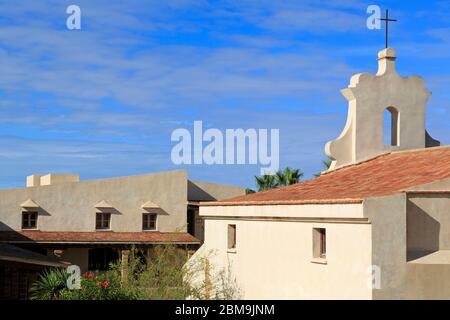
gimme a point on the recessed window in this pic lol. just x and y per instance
(391, 127)
(102, 221)
(319, 243)
(29, 220)
(149, 221)
(231, 236)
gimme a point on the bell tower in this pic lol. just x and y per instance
(368, 96)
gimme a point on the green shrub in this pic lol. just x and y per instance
(49, 285)
(106, 286)
(164, 275)
(167, 275)
(158, 277)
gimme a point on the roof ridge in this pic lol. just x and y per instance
(357, 163)
(384, 174)
(422, 149)
(321, 175)
(386, 154)
(324, 173)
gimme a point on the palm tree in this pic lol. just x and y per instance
(265, 182)
(287, 177)
(326, 164)
(280, 179)
(249, 191)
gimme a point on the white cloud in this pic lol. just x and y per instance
(100, 100)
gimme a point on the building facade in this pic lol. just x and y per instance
(91, 223)
(376, 225)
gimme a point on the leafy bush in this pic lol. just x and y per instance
(105, 286)
(159, 276)
(208, 283)
(163, 275)
(167, 275)
(49, 285)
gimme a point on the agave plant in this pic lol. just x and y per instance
(49, 285)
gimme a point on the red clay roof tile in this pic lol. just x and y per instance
(383, 175)
(153, 237)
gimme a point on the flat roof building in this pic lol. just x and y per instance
(89, 223)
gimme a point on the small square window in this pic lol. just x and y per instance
(319, 243)
(29, 220)
(149, 221)
(102, 221)
(231, 236)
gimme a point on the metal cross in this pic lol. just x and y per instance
(387, 25)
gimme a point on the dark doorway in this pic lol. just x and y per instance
(100, 258)
(191, 220)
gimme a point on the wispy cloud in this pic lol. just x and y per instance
(99, 100)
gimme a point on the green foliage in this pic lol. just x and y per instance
(287, 177)
(106, 286)
(167, 275)
(163, 275)
(49, 285)
(326, 165)
(208, 283)
(249, 191)
(160, 277)
(280, 179)
(265, 182)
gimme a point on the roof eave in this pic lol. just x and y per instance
(99, 242)
(281, 202)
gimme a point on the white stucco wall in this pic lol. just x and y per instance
(368, 95)
(273, 258)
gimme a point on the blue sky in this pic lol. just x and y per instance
(103, 101)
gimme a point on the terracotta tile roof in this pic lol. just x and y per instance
(152, 237)
(383, 175)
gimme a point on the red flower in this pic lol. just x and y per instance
(105, 284)
(90, 275)
(99, 284)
